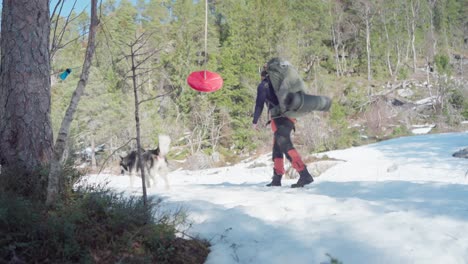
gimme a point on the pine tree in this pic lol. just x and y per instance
(25, 124)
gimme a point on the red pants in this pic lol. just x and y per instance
(283, 146)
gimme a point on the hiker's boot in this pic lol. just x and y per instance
(304, 179)
(276, 180)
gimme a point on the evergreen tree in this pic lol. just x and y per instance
(25, 124)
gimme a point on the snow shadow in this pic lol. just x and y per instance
(429, 199)
(237, 237)
(426, 150)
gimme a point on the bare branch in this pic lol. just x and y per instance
(145, 36)
(138, 74)
(58, 39)
(67, 43)
(108, 36)
(112, 154)
(155, 97)
(143, 83)
(145, 40)
(100, 10)
(147, 58)
(54, 39)
(55, 9)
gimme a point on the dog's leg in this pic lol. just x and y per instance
(153, 175)
(162, 169)
(132, 178)
(163, 172)
(148, 177)
(166, 180)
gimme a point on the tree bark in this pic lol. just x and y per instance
(54, 186)
(25, 124)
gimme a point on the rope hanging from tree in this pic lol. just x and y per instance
(205, 81)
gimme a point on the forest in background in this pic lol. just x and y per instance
(387, 65)
(374, 58)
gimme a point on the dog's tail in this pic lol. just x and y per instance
(164, 144)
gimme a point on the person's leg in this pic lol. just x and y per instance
(278, 162)
(283, 139)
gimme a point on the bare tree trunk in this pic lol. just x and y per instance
(54, 188)
(398, 63)
(408, 29)
(137, 122)
(138, 57)
(25, 124)
(461, 68)
(389, 64)
(93, 153)
(339, 71)
(369, 77)
(428, 71)
(433, 37)
(398, 48)
(344, 62)
(337, 56)
(369, 73)
(413, 30)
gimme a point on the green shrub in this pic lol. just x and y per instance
(399, 131)
(355, 98)
(456, 99)
(403, 73)
(442, 63)
(343, 136)
(94, 225)
(464, 111)
(18, 218)
(16, 181)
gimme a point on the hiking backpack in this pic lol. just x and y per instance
(290, 90)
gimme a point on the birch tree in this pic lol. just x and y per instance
(414, 7)
(365, 11)
(54, 182)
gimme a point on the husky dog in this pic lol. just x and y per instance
(154, 163)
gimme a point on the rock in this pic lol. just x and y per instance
(463, 153)
(405, 92)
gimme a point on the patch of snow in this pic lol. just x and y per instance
(399, 201)
(422, 129)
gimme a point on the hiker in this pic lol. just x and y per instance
(281, 127)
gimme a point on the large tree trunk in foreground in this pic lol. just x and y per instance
(25, 124)
(54, 183)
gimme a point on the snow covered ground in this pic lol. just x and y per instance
(399, 201)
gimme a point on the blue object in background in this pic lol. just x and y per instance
(65, 74)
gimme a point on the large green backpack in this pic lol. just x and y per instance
(290, 90)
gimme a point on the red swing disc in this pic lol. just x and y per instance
(211, 83)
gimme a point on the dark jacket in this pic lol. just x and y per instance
(265, 95)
